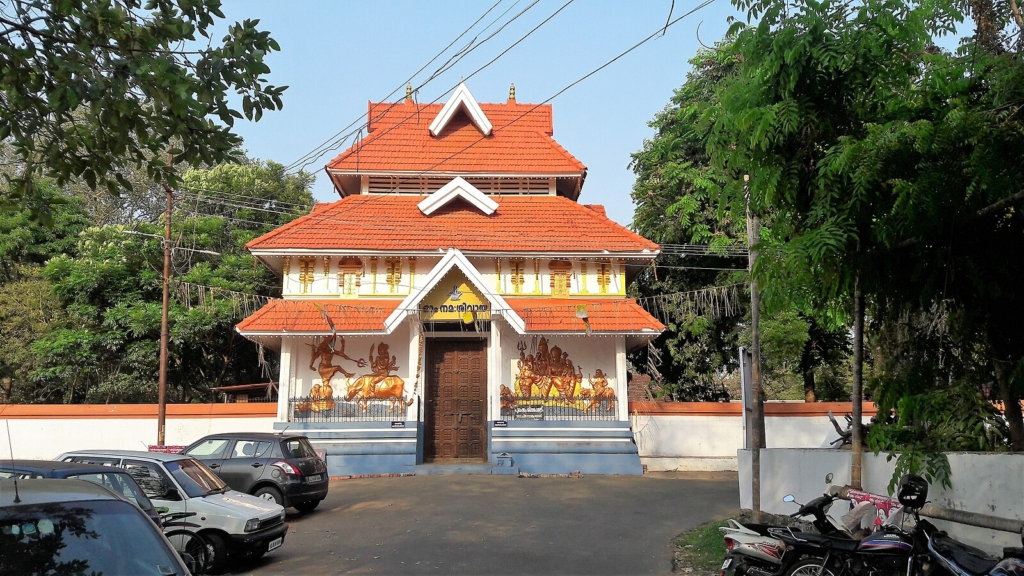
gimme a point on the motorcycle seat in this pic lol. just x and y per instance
(967, 557)
(838, 544)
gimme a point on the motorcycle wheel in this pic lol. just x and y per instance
(740, 565)
(809, 567)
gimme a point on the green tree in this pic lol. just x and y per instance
(108, 347)
(672, 193)
(92, 88)
(889, 168)
(676, 195)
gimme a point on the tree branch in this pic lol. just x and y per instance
(999, 205)
(987, 210)
(1016, 14)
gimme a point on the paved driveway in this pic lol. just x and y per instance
(500, 525)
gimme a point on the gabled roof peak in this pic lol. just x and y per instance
(457, 188)
(461, 99)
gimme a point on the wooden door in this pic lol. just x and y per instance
(456, 400)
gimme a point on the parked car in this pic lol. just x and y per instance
(113, 479)
(232, 523)
(282, 468)
(57, 526)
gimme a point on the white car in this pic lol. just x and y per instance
(231, 522)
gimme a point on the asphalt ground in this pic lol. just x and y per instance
(500, 525)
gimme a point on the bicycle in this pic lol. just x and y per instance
(186, 542)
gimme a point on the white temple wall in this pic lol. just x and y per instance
(302, 378)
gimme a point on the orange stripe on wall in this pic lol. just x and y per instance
(81, 411)
(771, 409)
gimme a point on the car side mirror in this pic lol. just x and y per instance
(788, 498)
(172, 494)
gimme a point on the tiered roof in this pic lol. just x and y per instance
(400, 141)
(395, 223)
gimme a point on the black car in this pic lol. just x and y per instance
(72, 526)
(116, 480)
(277, 467)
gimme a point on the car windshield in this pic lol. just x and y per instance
(195, 478)
(94, 537)
(298, 448)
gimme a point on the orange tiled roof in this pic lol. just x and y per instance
(607, 315)
(394, 223)
(399, 140)
(285, 316)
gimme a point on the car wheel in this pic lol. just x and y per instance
(270, 493)
(307, 506)
(217, 553)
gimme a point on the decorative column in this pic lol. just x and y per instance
(285, 380)
(621, 396)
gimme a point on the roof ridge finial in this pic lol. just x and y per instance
(408, 92)
(512, 93)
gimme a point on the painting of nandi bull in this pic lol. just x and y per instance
(370, 387)
(380, 384)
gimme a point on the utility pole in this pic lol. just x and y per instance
(164, 336)
(857, 454)
(757, 417)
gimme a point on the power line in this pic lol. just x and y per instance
(560, 92)
(335, 141)
(704, 250)
(358, 130)
(390, 94)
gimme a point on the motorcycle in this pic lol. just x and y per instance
(921, 551)
(761, 549)
(946, 555)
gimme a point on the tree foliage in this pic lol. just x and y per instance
(82, 318)
(93, 89)
(891, 165)
(676, 195)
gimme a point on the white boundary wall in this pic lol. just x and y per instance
(706, 436)
(46, 438)
(987, 483)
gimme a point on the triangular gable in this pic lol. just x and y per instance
(457, 188)
(454, 258)
(461, 98)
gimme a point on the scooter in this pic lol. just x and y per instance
(750, 550)
(759, 549)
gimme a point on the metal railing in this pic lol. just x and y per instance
(577, 408)
(245, 398)
(338, 409)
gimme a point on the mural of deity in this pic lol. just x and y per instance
(551, 368)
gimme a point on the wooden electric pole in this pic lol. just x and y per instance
(856, 398)
(164, 335)
(757, 424)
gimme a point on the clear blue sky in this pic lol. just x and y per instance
(336, 55)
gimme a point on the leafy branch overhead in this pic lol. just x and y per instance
(90, 89)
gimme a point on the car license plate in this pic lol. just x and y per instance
(726, 563)
(314, 478)
(275, 544)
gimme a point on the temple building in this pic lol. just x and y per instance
(457, 305)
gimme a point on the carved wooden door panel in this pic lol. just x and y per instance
(456, 400)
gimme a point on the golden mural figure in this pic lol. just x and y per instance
(379, 384)
(551, 368)
(508, 400)
(321, 396)
(600, 391)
